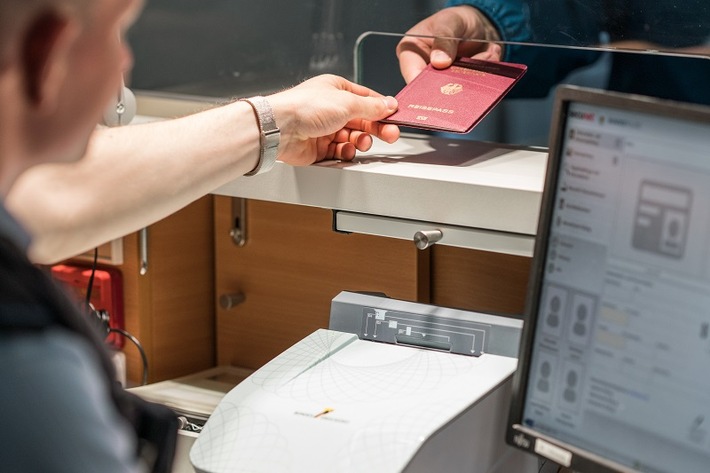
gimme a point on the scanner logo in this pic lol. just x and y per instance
(325, 411)
(452, 88)
(323, 415)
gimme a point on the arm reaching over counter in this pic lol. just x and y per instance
(133, 176)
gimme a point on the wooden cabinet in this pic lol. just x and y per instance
(170, 309)
(289, 270)
(293, 264)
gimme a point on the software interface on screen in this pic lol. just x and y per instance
(621, 358)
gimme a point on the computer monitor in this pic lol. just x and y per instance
(614, 367)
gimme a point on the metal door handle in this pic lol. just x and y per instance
(423, 239)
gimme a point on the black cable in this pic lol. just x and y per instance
(91, 278)
(127, 335)
(140, 349)
(544, 462)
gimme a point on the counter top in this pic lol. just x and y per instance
(424, 178)
(483, 195)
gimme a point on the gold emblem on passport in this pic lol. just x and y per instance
(452, 88)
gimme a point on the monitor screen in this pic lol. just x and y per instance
(614, 368)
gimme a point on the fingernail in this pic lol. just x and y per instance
(391, 102)
(439, 56)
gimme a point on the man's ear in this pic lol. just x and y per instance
(46, 47)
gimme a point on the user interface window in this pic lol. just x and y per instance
(621, 359)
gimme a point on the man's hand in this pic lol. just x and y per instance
(329, 117)
(438, 40)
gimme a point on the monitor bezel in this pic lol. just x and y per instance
(517, 434)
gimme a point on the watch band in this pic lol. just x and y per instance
(270, 134)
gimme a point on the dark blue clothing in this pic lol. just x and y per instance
(666, 24)
(62, 408)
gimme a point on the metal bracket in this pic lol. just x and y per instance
(229, 301)
(239, 221)
(426, 233)
(143, 243)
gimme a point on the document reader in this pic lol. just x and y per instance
(390, 386)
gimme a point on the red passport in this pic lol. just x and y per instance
(457, 98)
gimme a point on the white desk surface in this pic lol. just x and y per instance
(452, 182)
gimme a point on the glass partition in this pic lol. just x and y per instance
(634, 24)
(523, 117)
(221, 48)
(226, 48)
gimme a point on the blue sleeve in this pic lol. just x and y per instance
(56, 407)
(508, 16)
(555, 24)
(546, 66)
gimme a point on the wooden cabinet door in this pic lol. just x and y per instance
(291, 267)
(170, 309)
(479, 280)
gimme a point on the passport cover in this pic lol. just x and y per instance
(457, 98)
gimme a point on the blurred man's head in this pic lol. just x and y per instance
(60, 65)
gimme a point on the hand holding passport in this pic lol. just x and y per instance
(457, 98)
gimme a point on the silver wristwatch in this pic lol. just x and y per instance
(270, 134)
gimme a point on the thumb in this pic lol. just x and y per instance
(374, 108)
(443, 52)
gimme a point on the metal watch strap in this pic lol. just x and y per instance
(270, 134)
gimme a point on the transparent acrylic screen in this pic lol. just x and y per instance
(226, 48)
